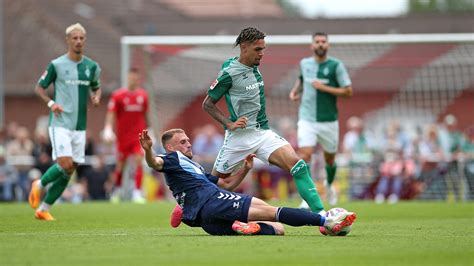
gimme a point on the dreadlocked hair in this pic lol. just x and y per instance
(249, 34)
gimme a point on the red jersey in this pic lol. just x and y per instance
(130, 108)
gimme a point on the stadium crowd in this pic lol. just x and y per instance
(433, 161)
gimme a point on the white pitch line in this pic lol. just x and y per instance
(62, 234)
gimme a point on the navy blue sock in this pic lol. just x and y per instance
(266, 229)
(299, 217)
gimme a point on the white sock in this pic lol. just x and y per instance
(44, 206)
(137, 193)
(40, 186)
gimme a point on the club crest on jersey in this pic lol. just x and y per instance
(214, 84)
(326, 71)
(87, 72)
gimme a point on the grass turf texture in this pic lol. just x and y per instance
(412, 233)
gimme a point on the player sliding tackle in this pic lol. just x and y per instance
(216, 210)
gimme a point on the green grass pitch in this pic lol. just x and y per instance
(409, 233)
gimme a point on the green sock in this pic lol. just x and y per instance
(331, 172)
(306, 187)
(52, 174)
(55, 191)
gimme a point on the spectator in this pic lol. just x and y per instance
(355, 145)
(8, 177)
(41, 151)
(12, 128)
(396, 168)
(467, 157)
(97, 180)
(452, 140)
(433, 166)
(21, 148)
(207, 144)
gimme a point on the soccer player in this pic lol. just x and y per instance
(247, 130)
(219, 211)
(127, 109)
(76, 77)
(322, 79)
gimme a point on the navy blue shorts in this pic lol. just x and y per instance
(221, 210)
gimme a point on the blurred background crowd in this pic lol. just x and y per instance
(434, 161)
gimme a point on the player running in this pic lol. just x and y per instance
(76, 78)
(322, 79)
(247, 130)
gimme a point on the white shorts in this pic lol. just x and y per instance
(238, 144)
(68, 143)
(326, 133)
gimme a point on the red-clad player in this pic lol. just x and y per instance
(127, 109)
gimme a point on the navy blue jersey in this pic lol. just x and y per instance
(190, 184)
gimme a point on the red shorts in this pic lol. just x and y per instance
(126, 149)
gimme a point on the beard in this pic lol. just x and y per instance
(78, 50)
(320, 52)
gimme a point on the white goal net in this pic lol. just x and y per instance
(413, 78)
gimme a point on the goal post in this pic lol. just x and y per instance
(356, 51)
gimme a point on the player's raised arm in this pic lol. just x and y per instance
(153, 161)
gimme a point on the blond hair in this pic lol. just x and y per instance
(74, 27)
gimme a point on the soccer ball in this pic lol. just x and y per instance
(344, 231)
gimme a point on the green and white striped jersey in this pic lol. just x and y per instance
(318, 106)
(72, 82)
(243, 89)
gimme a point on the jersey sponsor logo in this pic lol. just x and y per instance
(78, 82)
(133, 108)
(214, 84)
(254, 86)
(324, 81)
(45, 73)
